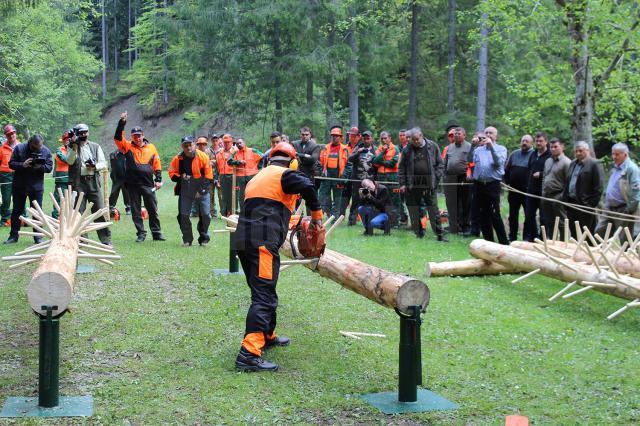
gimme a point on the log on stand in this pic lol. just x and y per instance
(468, 267)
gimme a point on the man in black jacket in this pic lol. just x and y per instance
(361, 159)
(308, 155)
(375, 207)
(30, 161)
(516, 175)
(584, 186)
(534, 187)
(118, 170)
(421, 169)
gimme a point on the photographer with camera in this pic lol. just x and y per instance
(86, 160)
(30, 161)
(375, 209)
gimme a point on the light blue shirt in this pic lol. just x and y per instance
(614, 196)
(489, 163)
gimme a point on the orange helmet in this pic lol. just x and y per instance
(336, 131)
(283, 148)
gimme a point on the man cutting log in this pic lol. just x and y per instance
(270, 198)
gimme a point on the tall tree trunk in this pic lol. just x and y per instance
(116, 48)
(165, 67)
(352, 81)
(275, 67)
(413, 77)
(129, 33)
(451, 58)
(482, 74)
(104, 54)
(309, 89)
(329, 86)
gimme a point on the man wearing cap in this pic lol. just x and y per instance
(262, 228)
(143, 177)
(61, 169)
(6, 174)
(335, 165)
(362, 168)
(354, 137)
(86, 159)
(192, 172)
(247, 161)
(202, 145)
(224, 174)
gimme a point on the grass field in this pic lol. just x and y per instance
(154, 339)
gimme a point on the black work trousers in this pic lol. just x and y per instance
(116, 188)
(226, 191)
(261, 266)
(457, 197)
(19, 197)
(516, 202)
(488, 200)
(415, 197)
(187, 199)
(90, 185)
(137, 195)
(585, 219)
(531, 226)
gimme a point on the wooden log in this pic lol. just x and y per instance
(467, 267)
(627, 287)
(383, 287)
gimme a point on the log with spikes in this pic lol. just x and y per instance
(53, 281)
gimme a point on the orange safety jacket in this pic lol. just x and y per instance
(329, 162)
(142, 162)
(5, 156)
(222, 165)
(391, 153)
(267, 184)
(250, 157)
(61, 165)
(200, 166)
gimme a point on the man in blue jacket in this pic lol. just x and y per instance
(30, 161)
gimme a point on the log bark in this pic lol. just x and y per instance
(529, 261)
(53, 282)
(383, 287)
(468, 267)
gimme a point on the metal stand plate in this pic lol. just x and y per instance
(388, 403)
(85, 269)
(69, 406)
(226, 272)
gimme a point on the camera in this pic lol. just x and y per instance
(364, 192)
(37, 158)
(90, 163)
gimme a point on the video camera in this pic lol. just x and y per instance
(37, 158)
(364, 192)
(90, 162)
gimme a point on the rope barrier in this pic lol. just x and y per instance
(383, 182)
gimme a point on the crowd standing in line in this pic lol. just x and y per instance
(382, 184)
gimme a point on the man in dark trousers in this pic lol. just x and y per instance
(308, 154)
(421, 169)
(516, 175)
(270, 198)
(457, 193)
(534, 187)
(376, 208)
(192, 172)
(6, 174)
(29, 161)
(362, 168)
(118, 177)
(585, 184)
(143, 177)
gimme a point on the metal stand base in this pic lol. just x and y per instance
(388, 403)
(85, 269)
(226, 272)
(69, 406)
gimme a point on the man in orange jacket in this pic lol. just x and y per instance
(246, 160)
(262, 228)
(61, 168)
(143, 177)
(223, 177)
(192, 172)
(6, 173)
(334, 162)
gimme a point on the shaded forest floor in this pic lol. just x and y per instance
(154, 339)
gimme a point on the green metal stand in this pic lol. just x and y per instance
(409, 399)
(234, 263)
(49, 402)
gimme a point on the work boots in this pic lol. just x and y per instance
(278, 341)
(246, 361)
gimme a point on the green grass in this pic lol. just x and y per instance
(154, 339)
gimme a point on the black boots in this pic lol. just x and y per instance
(278, 341)
(246, 361)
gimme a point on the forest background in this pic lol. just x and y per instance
(567, 67)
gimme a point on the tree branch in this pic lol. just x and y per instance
(625, 45)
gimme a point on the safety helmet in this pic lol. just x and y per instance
(283, 149)
(8, 129)
(336, 131)
(354, 131)
(81, 128)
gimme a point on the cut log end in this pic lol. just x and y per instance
(413, 293)
(49, 288)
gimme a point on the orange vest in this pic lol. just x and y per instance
(5, 156)
(221, 162)
(268, 184)
(61, 166)
(199, 166)
(388, 156)
(251, 160)
(328, 162)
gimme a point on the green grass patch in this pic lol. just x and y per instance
(154, 339)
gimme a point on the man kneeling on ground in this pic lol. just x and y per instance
(375, 207)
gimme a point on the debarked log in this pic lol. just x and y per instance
(468, 267)
(565, 270)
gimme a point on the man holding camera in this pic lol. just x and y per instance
(30, 161)
(361, 157)
(375, 207)
(86, 159)
(143, 177)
